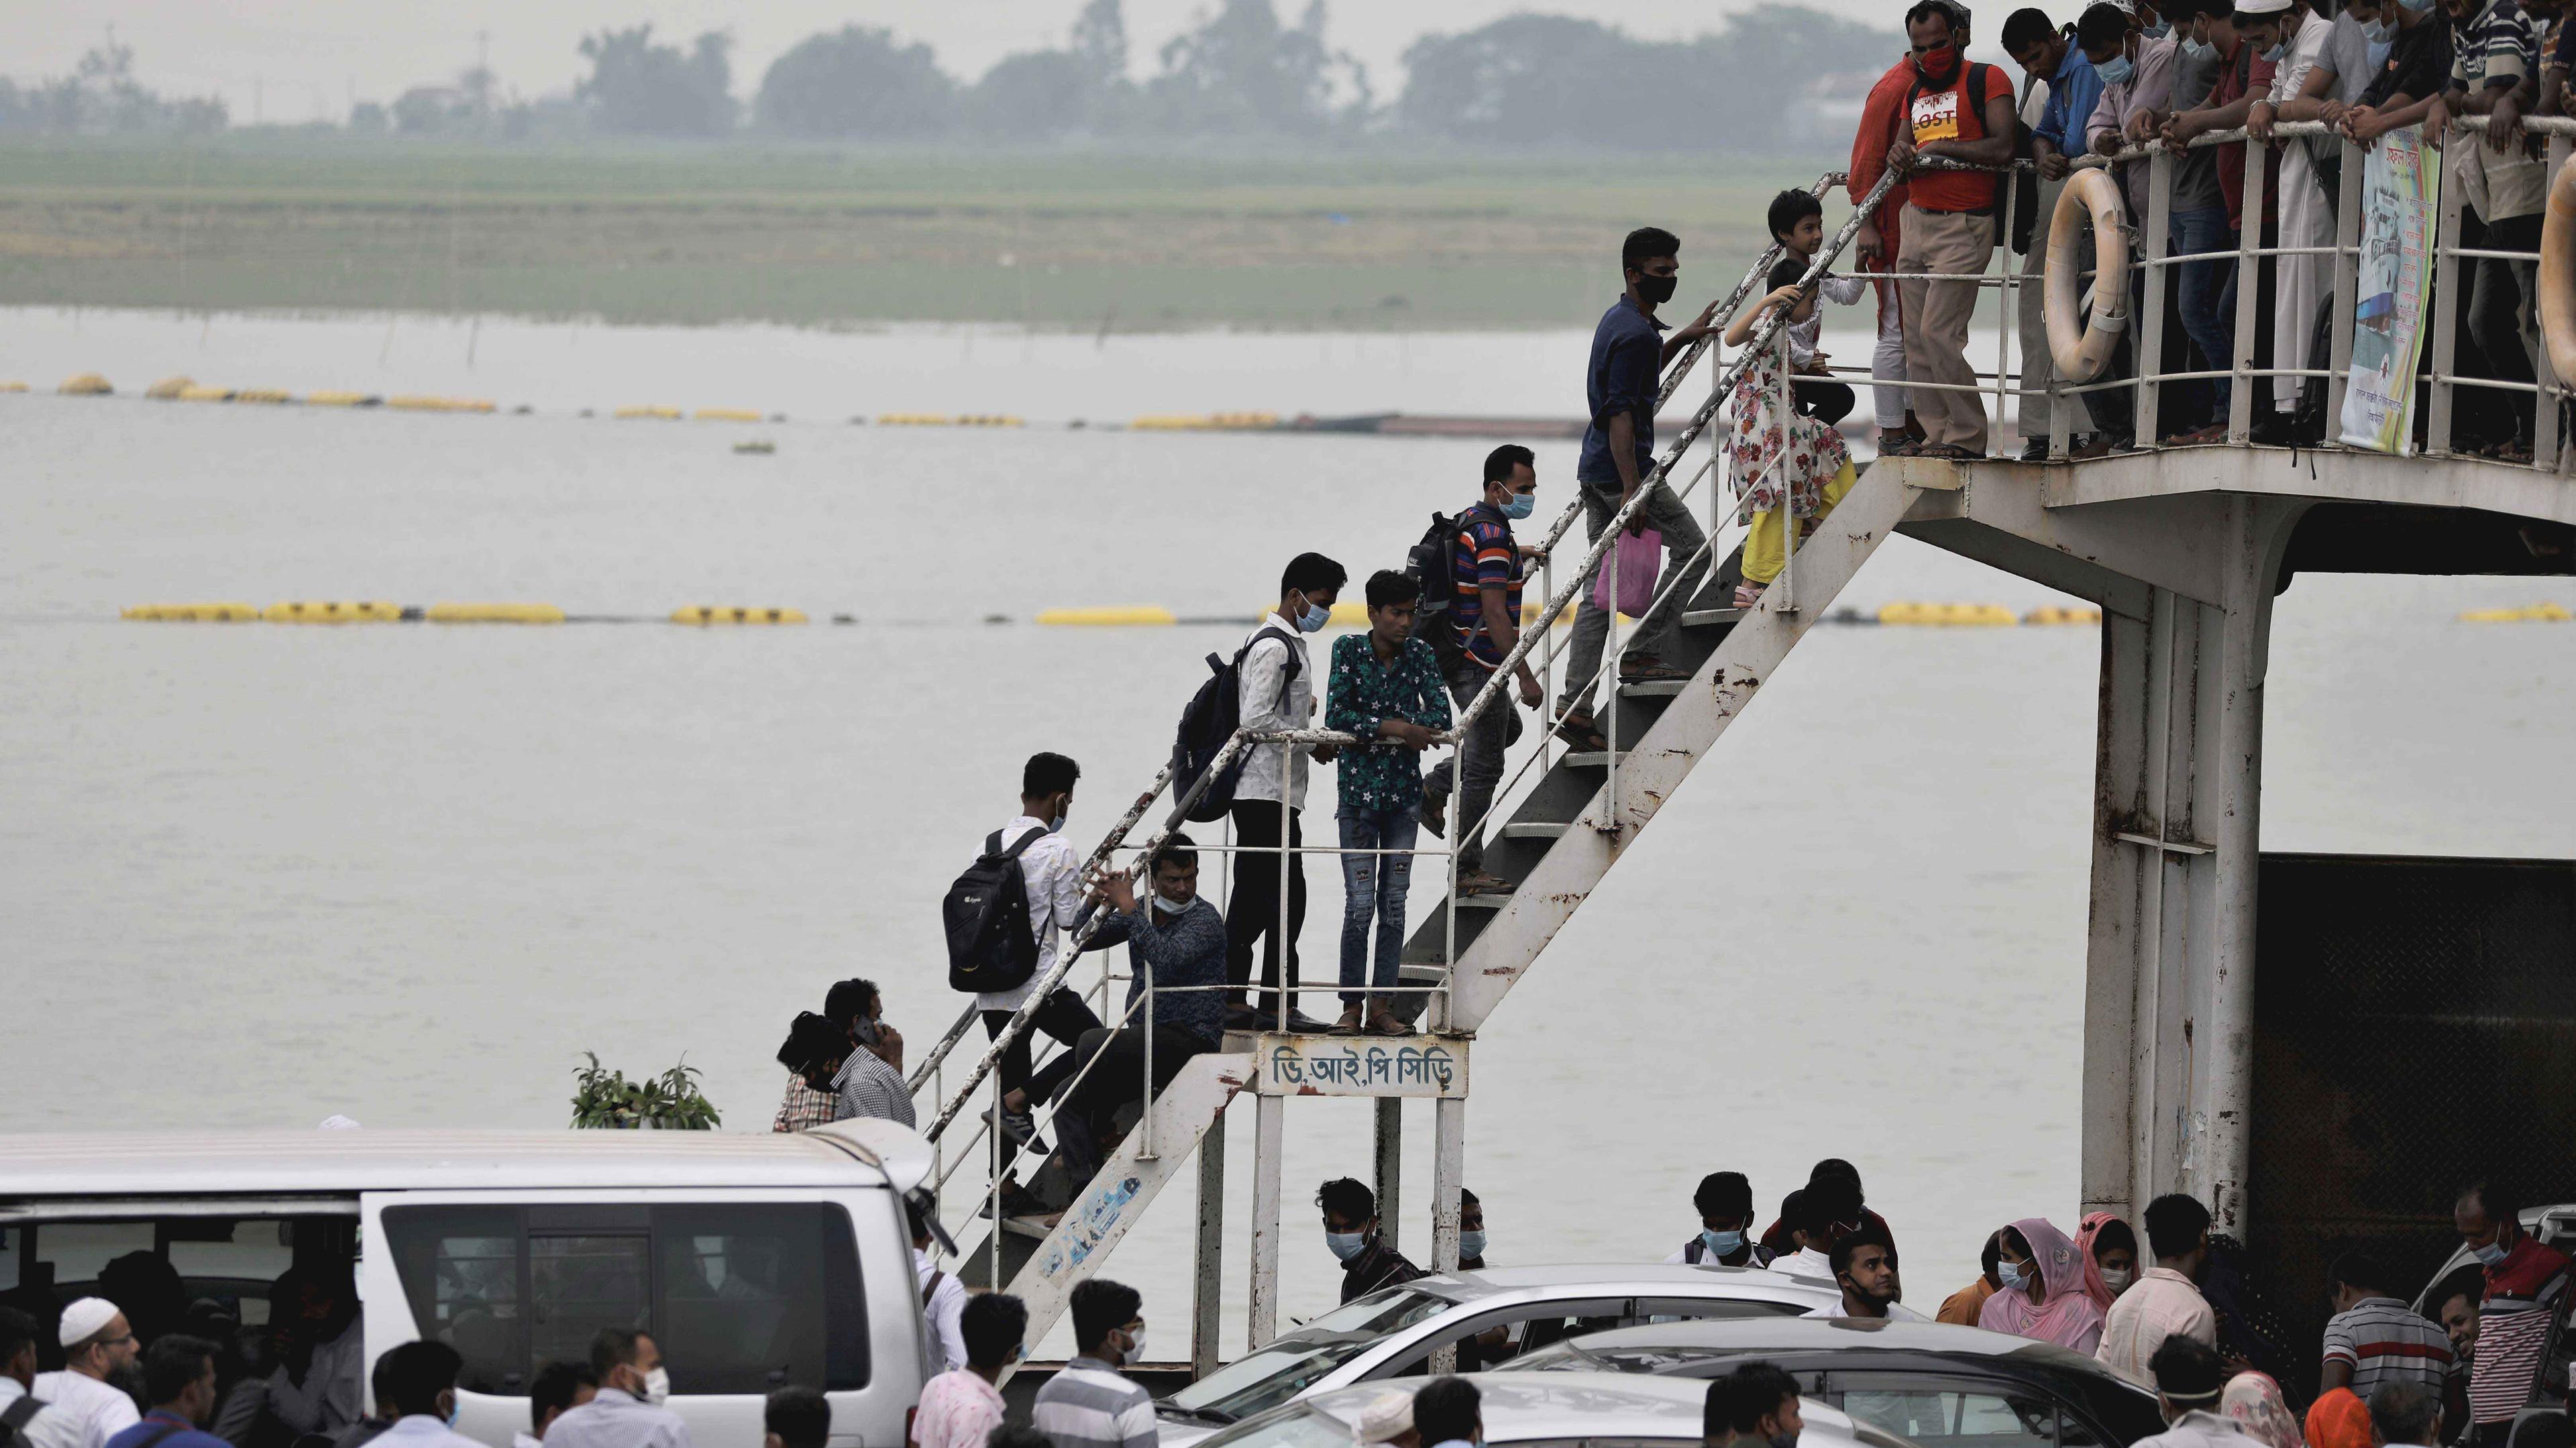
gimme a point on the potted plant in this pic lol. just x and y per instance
(668, 1102)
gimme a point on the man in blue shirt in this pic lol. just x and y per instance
(2050, 57)
(1619, 384)
(179, 1382)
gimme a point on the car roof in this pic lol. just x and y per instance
(1617, 1277)
(46, 1169)
(1841, 1334)
(1518, 1406)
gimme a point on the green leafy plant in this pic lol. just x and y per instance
(671, 1101)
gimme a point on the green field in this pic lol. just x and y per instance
(836, 237)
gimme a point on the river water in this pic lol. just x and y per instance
(258, 875)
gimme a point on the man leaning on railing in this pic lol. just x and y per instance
(2049, 56)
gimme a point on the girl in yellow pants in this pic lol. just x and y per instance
(1778, 460)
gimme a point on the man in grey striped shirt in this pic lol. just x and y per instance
(860, 1078)
(1091, 1404)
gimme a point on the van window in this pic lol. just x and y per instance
(742, 1297)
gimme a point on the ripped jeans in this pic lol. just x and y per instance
(1374, 886)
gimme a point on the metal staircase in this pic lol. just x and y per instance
(1557, 826)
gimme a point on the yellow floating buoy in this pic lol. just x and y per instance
(85, 384)
(333, 611)
(1108, 617)
(414, 402)
(2536, 613)
(274, 396)
(169, 388)
(192, 613)
(700, 613)
(915, 419)
(726, 414)
(2054, 614)
(493, 613)
(342, 399)
(990, 420)
(13, 386)
(659, 414)
(1948, 615)
(194, 393)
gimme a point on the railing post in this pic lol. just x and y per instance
(2544, 416)
(1279, 942)
(1390, 1166)
(1263, 1322)
(2347, 284)
(2061, 423)
(2149, 323)
(2249, 294)
(1145, 1121)
(1786, 587)
(2446, 306)
(2009, 322)
(1208, 1284)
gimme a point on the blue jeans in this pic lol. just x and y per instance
(2205, 291)
(1374, 885)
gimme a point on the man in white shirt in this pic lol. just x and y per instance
(1277, 691)
(421, 1379)
(44, 1425)
(1051, 874)
(1864, 1267)
(628, 1411)
(99, 1347)
(2166, 1300)
(943, 1297)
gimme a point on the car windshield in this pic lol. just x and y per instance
(1574, 1357)
(1295, 1362)
(1302, 1428)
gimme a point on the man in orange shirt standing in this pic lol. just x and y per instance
(1960, 111)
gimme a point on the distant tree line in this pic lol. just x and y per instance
(1241, 74)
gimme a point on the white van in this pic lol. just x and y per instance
(756, 1262)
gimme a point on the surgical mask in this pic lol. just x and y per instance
(2275, 53)
(2491, 1254)
(2378, 32)
(1520, 505)
(2197, 49)
(2158, 31)
(1471, 1244)
(1314, 618)
(2115, 71)
(1346, 1245)
(1724, 1244)
(1784, 1439)
(1170, 907)
(657, 1386)
(1657, 290)
(1136, 1348)
(453, 1408)
(2379, 53)
(2117, 1278)
(2013, 1275)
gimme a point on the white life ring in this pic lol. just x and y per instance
(2082, 346)
(2558, 275)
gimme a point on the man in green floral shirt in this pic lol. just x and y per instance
(1385, 688)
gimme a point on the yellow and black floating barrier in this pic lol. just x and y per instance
(990, 419)
(272, 396)
(192, 613)
(415, 402)
(1206, 422)
(704, 614)
(648, 412)
(915, 419)
(342, 399)
(1107, 617)
(333, 611)
(13, 386)
(728, 414)
(2051, 613)
(1947, 615)
(85, 384)
(2535, 613)
(492, 613)
(760, 447)
(196, 393)
(169, 388)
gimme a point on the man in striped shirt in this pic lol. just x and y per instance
(2526, 1290)
(2374, 1338)
(1091, 1404)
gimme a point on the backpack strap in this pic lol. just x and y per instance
(1273, 631)
(1019, 849)
(1693, 1250)
(15, 1416)
(160, 1431)
(930, 1289)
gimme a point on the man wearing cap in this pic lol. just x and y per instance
(42, 1424)
(2189, 1377)
(99, 1348)
(1387, 1420)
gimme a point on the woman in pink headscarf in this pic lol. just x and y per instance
(2043, 1294)
(2254, 1401)
(2110, 1258)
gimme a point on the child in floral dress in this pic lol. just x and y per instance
(1776, 452)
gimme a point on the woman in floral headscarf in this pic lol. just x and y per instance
(2254, 1401)
(2043, 1295)
(1778, 455)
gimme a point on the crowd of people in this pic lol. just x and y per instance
(2123, 76)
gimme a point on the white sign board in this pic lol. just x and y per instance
(1360, 1066)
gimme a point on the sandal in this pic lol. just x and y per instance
(1902, 447)
(1577, 730)
(1484, 882)
(1748, 596)
(1647, 669)
(1947, 451)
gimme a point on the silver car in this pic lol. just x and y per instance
(1545, 1410)
(1489, 1317)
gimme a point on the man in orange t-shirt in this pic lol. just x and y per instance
(1877, 243)
(1948, 225)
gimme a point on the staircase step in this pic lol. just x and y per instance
(1483, 902)
(1534, 830)
(1590, 758)
(1654, 689)
(1710, 617)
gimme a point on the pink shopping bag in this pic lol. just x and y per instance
(1632, 562)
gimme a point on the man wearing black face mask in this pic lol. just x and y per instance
(1959, 111)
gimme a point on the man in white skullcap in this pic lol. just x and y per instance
(99, 1348)
(1387, 1420)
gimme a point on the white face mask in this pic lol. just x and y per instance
(2117, 1278)
(1136, 1348)
(1172, 907)
(657, 1386)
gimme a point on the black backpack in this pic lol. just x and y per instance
(13, 1420)
(1433, 562)
(1214, 713)
(990, 945)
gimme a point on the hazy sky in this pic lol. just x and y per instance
(305, 57)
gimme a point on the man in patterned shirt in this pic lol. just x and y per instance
(1385, 688)
(845, 1004)
(1486, 568)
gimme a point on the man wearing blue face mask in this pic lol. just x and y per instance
(1351, 1231)
(1277, 692)
(1486, 568)
(1726, 1237)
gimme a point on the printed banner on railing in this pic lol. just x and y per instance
(2401, 189)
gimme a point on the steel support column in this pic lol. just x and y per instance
(2168, 1036)
(1207, 1283)
(1390, 1167)
(1267, 1119)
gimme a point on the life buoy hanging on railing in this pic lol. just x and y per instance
(2558, 275)
(2080, 345)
